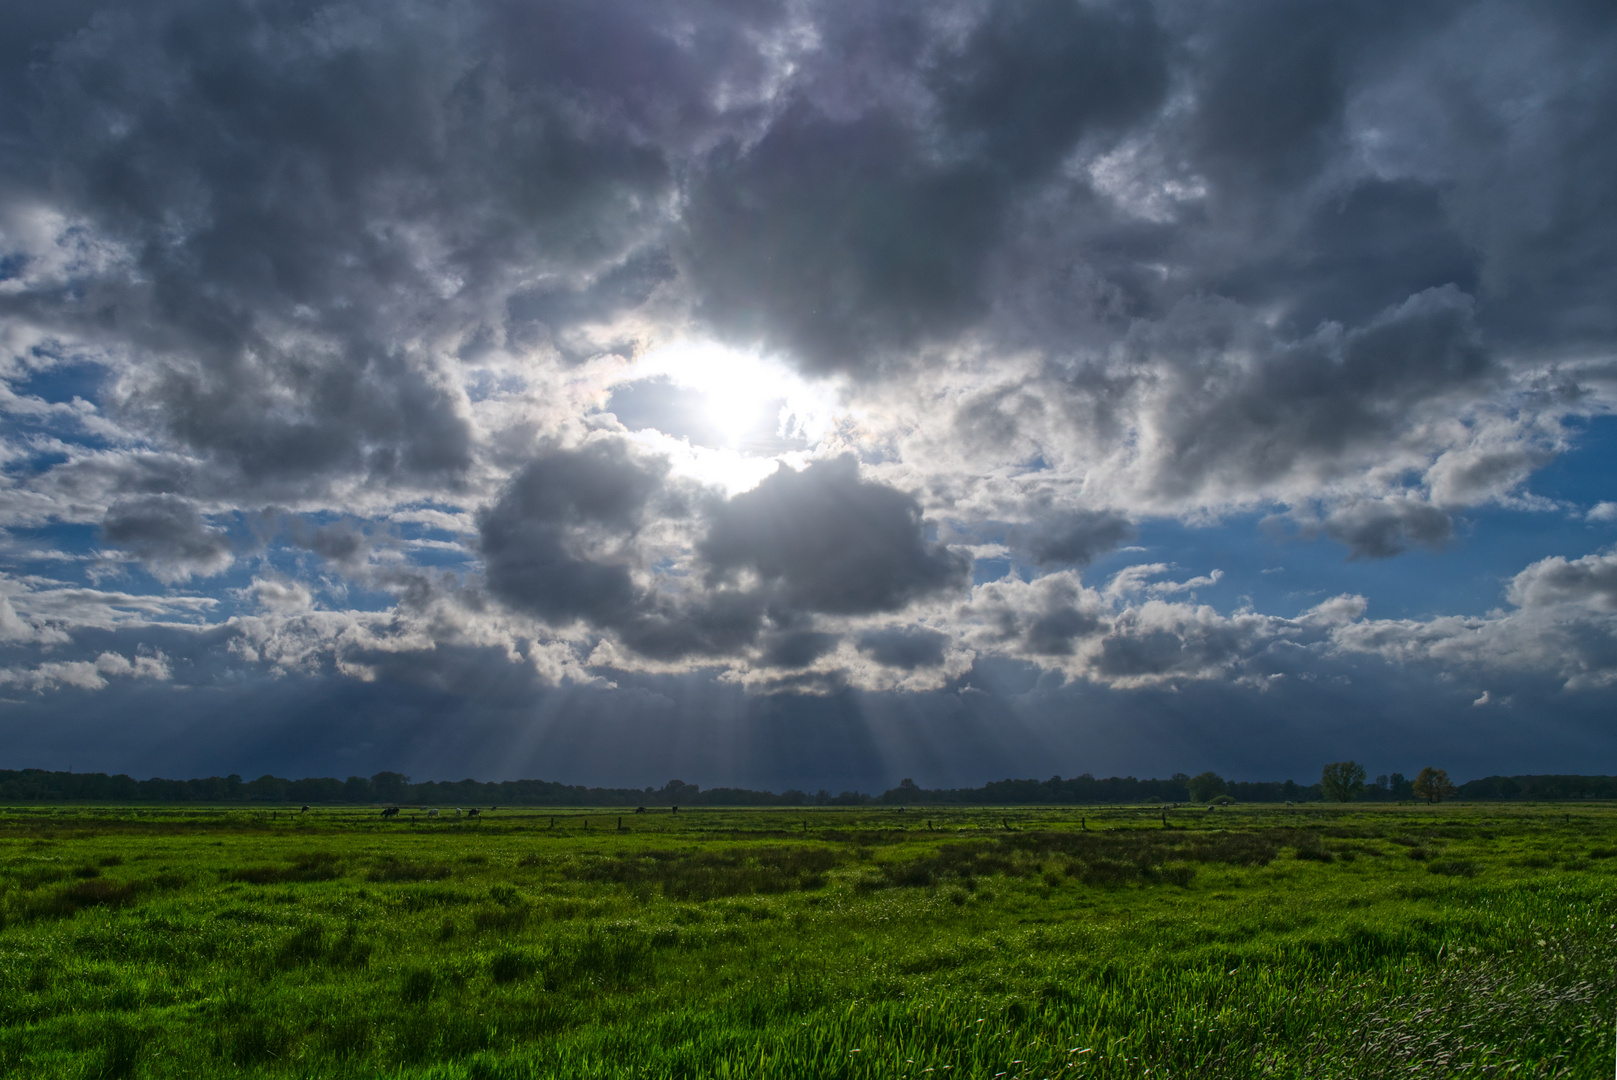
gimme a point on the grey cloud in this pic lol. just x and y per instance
(1274, 81)
(1035, 75)
(1138, 651)
(309, 201)
(1367, 249)
(169, 537)
(1057, 624)
(317, 211)
(904, 647)
(1563, 628)
(1187, 257)
(1053, 632)
(1304, 408)
(856, 249)
(1591, 581)
(563, 543)
(1046, 617)
(344, 543)
(1077, 539)
(866, 237)
(799, 648)
(535, 315)
(714, 625)
(558, 542)
(1380, 529)
(1474, 475)
(825, 540)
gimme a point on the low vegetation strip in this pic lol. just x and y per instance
(1239, 942)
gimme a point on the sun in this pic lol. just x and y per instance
(758, 410)
(737, 388)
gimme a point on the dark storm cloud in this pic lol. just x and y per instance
(168, 535)
(825, 540)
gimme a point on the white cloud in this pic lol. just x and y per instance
(86, 674)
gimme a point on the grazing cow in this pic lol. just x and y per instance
(305, 810)
(457, 811)
(391, 811)
(474, 812)
(640, 809)
(433, 812)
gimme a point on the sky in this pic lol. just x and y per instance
(789, 393)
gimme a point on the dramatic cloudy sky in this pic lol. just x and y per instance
(810, 393)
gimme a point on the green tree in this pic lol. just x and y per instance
(1433, 785)
(1342, 780)
(391, 787)
(1206, 787)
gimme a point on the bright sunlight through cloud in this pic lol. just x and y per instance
(763, 411)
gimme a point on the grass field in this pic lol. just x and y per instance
(944, 942)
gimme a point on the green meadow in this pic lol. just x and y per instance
(1447, 941)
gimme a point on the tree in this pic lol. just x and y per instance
(1433, 785)
(1342, 780)
(1206, 787)
(390, 787)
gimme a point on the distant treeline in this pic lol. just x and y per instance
(1540, 788)
(1086, 789)
(39, 785)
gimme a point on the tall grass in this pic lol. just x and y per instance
(857, 943)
